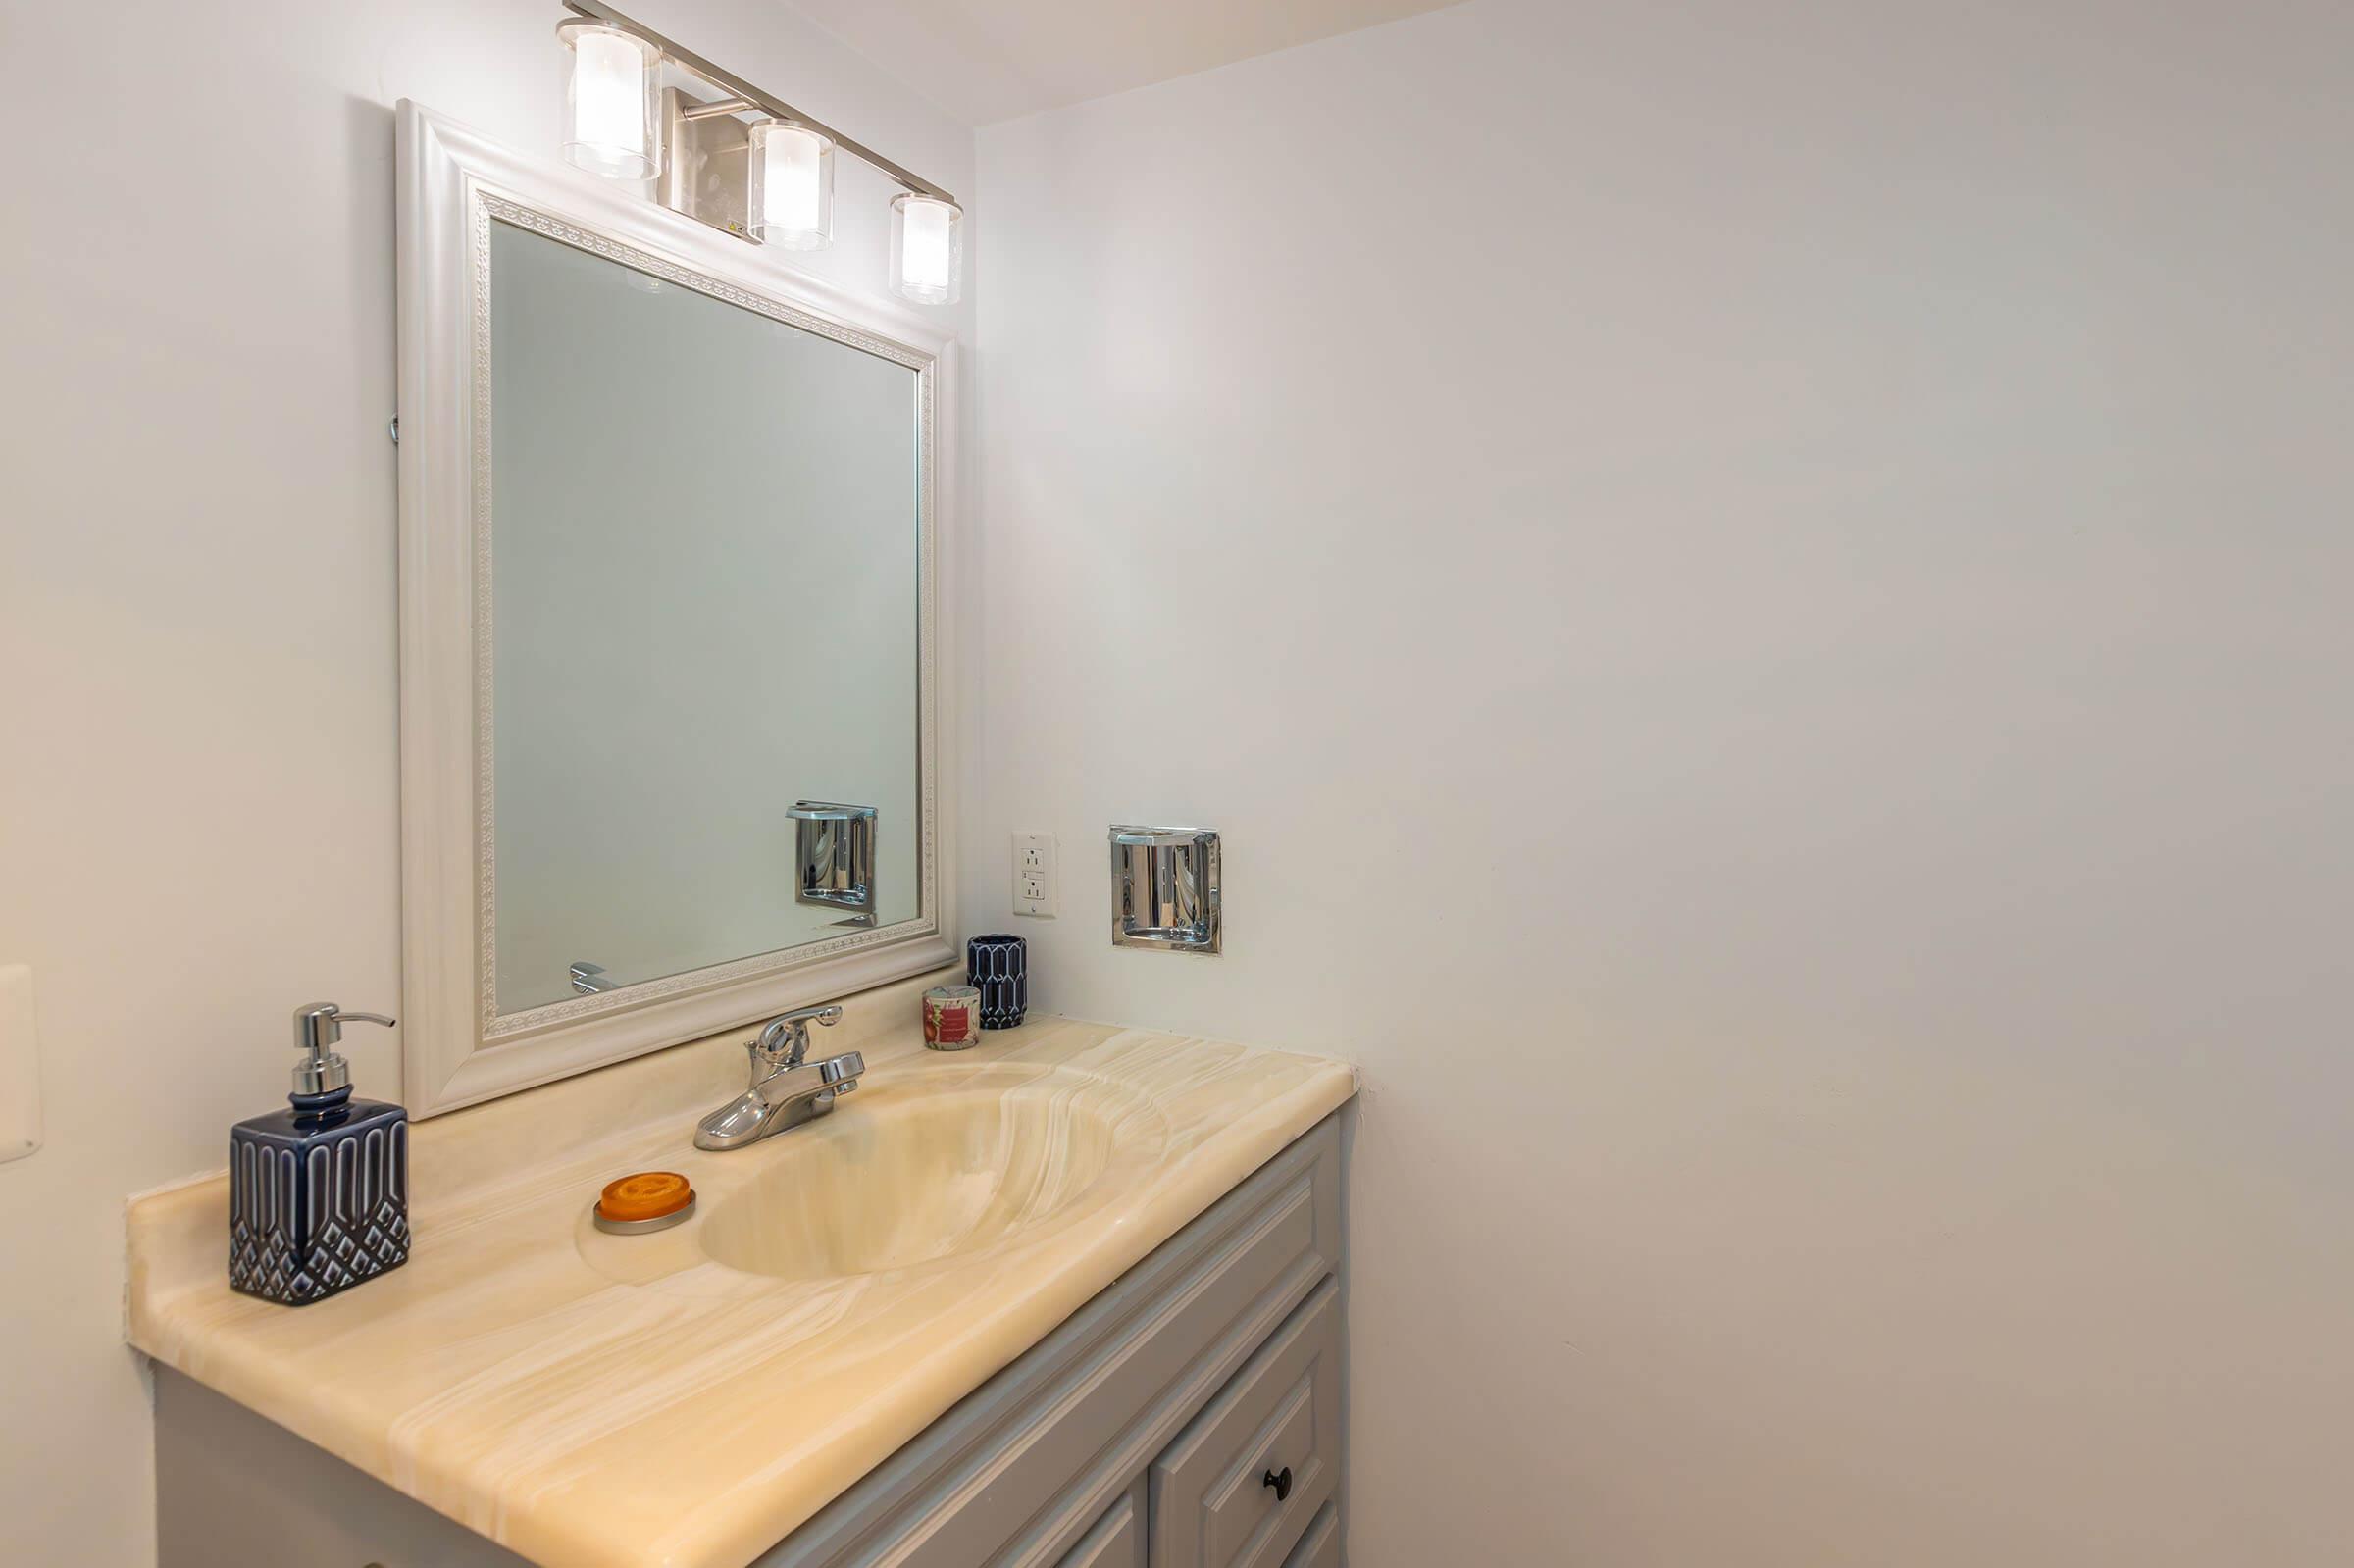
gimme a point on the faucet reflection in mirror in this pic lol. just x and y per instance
(621, 124)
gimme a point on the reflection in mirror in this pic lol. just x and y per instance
(705, 558)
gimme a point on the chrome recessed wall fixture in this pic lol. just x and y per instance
(1165, 888)
(745, 161)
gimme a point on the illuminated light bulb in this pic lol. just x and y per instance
(611, 126)
(927, 249)
(791, 195)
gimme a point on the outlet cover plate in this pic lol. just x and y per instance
(1036, 882)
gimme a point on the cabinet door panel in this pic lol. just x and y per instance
(1320, 1548)
(1240, 1483)
(1117, 1540)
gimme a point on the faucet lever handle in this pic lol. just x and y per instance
(784, 1039)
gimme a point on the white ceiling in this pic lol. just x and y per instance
(990, 60)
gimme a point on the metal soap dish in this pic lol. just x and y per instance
(1165, 888)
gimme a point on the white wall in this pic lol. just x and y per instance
(198, 814)
(1760, 595)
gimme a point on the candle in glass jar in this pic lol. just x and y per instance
(951, 1017)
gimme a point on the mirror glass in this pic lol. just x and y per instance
(706, 547)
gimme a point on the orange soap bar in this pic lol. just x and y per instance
(645, 1195)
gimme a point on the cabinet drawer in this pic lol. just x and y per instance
(1320, 1548)
(1220, 1498)
(1115, 1540)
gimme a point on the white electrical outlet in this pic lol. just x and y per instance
(1034, 887)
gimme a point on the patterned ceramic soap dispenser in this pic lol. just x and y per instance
(318, 1193)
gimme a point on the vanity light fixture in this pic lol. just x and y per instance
(791, 199)
(610, 127)
(926, 248)
(770, 180)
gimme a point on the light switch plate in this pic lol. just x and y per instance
(1034, 875)
(19, 1066)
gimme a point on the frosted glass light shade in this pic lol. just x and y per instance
(792, 194)
(612, 118)
(927, 249)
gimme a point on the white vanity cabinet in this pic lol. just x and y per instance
(1187, 1417)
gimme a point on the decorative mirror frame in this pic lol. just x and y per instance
(457, 1048)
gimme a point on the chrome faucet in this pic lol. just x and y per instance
(786, 1091)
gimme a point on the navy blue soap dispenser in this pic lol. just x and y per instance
(318, 1193)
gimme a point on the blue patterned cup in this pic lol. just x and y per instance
(999, 966)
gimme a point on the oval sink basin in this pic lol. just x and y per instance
(925, 1173)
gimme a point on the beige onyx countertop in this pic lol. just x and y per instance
(591, 1400)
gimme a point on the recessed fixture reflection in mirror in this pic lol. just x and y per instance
(834, 857)
(611, 126)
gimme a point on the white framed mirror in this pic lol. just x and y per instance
(670, 525)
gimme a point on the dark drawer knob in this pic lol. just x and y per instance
(1281, 1481)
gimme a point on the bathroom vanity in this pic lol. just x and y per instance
(674, 711)
(1075, 1297)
